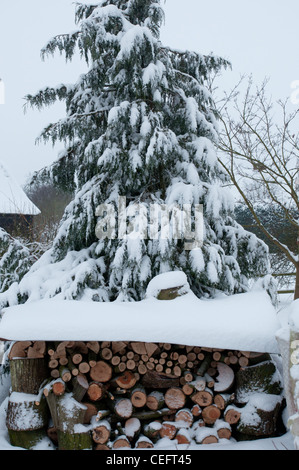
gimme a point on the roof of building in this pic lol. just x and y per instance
(13, 199)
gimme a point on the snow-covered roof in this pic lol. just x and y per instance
(239, 322)
(13, 199)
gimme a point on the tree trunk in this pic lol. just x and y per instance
(27, 375)
(75, 441)
(26, 413)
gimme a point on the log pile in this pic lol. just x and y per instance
(112, 395)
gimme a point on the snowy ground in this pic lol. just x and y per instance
(284, 442)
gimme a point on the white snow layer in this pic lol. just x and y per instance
(293, 315)
(243, 321)
(13, 199)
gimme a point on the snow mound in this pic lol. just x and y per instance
(293, 315)
(242, 321)
(167, 281)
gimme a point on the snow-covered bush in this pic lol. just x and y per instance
(139, 124)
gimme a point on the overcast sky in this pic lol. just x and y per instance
(259, 37)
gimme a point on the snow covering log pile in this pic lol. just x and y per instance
(111, 395)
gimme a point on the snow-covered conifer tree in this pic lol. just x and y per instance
(139, 124)
(15, 260)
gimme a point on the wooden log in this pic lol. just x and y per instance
(155, 380)
(131, 364)
(203, 368)
(123, 408)
(52, 435)
(210, 440)
(19, 349)
(120, 368)
(126, 381)
(183, 436)
(77, 358)
(26, 412)
(261, 377)
(264, 426)
(132, 428)
(225, 378)
(175, 398)
(231, 415)
(184, 415)
(60, 350)
(115, 360)
(72, 433)
(96, 391)
(151, 349)
(223, 429)
(255, 357)
(50, 349)
(191, 356)
(106, 354)
(210, 414)
(216, 356)
(101, 432)
(233, 359)
(196, 410)
(151, 430)
(144, 443)
(65, 374)
(63, 361)
(117, 346)
(84, 367)
(203, 398)
(101, 414)
(80, 387)
(53, 364)
(26, 439)
(206, 435)
(81, 347)
(55, 373)
(223, 400)
(142, 369)
(74, 441)
(188, 389)
(139, 348)
(121, 442)
(210, 382)
(74, 369)
(168, 429)
(58, 388)
(182, 359)
(155, 400)
(151, 415)
(101, 372)
(93, 346)
(243, 361)
(188, 376)
(91, 410)
(27, 375)
(37, 350)
(138, 396)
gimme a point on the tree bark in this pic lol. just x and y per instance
(27, 375)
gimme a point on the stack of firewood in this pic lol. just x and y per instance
(110, 395)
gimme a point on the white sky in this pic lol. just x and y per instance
(259, 37)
